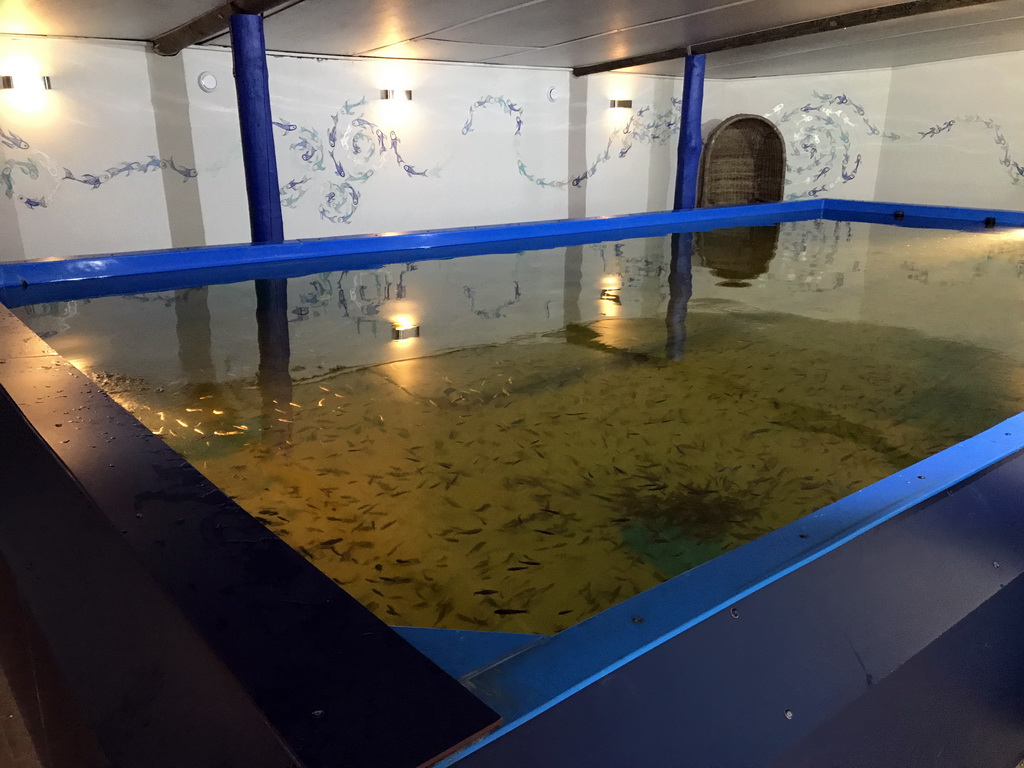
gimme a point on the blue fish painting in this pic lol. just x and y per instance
(15, 170)
(12, 140)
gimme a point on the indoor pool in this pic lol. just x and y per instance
(518, 441)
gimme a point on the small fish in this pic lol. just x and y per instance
(12, 140)
(332, 134)
(184, 171)
(338, 169)
(508, 611)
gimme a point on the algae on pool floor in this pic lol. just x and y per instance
(525, 487)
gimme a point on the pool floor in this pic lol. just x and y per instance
(526, 487)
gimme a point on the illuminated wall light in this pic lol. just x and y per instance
(387, 94)
(400, 332)
(404, 327)
(620, 104)
(611, 294)
(25, 82)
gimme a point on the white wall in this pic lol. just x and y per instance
(834, 126)
(962, 130)
(471, 178)
(631, 154)
(96, 124)
(104, 115)
(128, 153)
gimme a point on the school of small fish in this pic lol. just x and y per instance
(525, 487)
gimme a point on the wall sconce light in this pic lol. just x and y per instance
(612, 295)
(397, 95)
(401, 331)
(620, 104)
(25, 82)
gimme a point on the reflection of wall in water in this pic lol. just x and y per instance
(958, 284)
(816, 270)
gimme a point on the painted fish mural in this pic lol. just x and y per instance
(31, 165)
(332, 163)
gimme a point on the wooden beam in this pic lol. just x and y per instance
(827, 24)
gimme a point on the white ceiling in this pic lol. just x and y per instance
(561, 33)
(974, 31)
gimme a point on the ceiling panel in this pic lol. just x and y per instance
(351, 27)
(968, 20)
(727, 20)
(117, 19)
(560, 33)
(980, 30)
(551, 22)
(859, 48)
(445, 50)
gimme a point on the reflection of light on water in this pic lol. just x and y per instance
(408, 374)
(610, 302)
(611, 282)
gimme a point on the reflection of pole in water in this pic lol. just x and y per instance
(274, 379)
(573, 287)
(680, 288)
(192, 325)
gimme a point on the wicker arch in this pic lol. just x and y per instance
(744, 161)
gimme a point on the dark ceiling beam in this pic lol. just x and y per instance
(827, 24)
(212, 23)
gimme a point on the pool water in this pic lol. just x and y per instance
(571, 426)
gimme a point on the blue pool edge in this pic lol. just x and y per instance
(539, 675)
(365, 251)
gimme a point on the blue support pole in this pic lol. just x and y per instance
(249, 54)
(690, 144)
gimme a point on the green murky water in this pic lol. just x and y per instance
(571, 427)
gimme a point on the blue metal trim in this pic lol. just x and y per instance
(298, 257)
(690, 143)
(932, 216)
(547, 673)
(461, 651)
(425, 244)
(249, 55)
